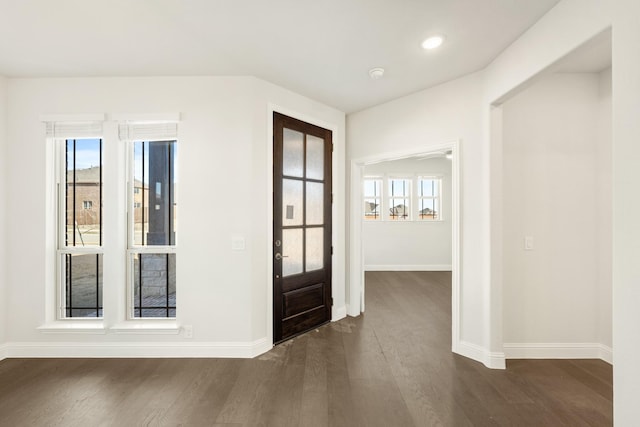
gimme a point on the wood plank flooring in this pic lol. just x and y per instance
(391, 366)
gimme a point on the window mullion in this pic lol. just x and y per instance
(70, 284)
(98, 284)
(100, 196)
(143, 192)
(73, 207)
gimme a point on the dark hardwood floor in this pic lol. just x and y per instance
(390, 367)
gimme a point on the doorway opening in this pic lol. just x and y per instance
(553, 258)
(357, 211)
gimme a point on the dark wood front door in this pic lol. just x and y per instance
(301, 226)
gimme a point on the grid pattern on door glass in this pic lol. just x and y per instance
(303, 193)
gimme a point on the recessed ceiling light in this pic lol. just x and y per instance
(432, 42)
(376, 73)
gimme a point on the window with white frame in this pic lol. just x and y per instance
(372, 191)
(79, 217)
(429, 190)
(399, 196)
(152, 221)
(76, 186)
(405, 199)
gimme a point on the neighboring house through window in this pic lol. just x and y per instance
(76, 182)
(429, 189)
(372, 191)
(80, 237)
(405, 199)
(399, 199)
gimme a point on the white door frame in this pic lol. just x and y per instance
(355, 304)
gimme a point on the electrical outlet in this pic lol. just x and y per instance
(188, 331)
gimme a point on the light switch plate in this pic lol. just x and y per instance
(528, 243)
(237, 243)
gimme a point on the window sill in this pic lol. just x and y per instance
(144, 328)
(73, 327)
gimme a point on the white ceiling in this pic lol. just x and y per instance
(322, 48)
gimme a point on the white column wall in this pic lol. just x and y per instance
(626, 205)
(604, 225)
(3, 224)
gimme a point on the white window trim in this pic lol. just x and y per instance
(59, 127)
(127, 134)
(414, 197)
(61, 250)
(379, 197)
(113, 315)
(440, 179)
(405, 177)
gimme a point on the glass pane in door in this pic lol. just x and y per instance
(292, 153)
(315, 249)
(291, 202)
(315, 157)
(315, 205)
(291, 251)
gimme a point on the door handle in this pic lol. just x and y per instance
(280, 256)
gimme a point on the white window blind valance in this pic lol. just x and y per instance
(69, 130)
(163, 131)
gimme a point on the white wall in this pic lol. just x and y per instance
(223, 139)
(411, 245)
(626, 205)
(3, 206)
(556, 189)
(445, 113)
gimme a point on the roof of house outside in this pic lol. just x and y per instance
(92, 176)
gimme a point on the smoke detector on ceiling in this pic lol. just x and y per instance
(376, 73)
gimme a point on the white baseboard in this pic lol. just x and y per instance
(3, 351)
(606, 354)
(338, 313)
(137, 349)
(356, 310)
(493, 360)
(259, 347)
(423, 267)
(558, 351)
